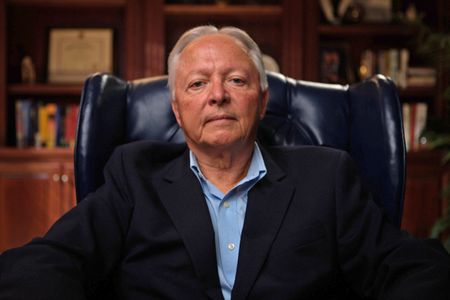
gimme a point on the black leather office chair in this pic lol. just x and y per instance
(363, 119)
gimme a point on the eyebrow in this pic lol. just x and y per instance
(206, 71)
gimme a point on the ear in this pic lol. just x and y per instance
(264, 101)
(175, 110)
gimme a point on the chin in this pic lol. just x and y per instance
(227, 143)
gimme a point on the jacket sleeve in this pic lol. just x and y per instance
(78, 252)
(377, 259)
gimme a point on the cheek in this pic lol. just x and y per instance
(250, 108)
(190, 111)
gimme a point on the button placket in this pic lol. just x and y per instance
(228, 237)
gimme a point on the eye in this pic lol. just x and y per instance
(237, 81)
(196, 84)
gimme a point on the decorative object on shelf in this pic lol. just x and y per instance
(354, 14)
(74, 53)
(334, 10)
(270, 64)
(376, 11)
(28, 71)
(411, 13)
(408, 14)
(335, 64)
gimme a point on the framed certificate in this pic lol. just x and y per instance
(74, 53)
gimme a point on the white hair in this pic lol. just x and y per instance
(237, 34)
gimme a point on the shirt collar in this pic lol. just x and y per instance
(257, 168)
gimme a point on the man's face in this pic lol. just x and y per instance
(218, 100)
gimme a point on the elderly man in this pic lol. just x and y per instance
(222, 216)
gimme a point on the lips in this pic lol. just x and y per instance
(220, 118)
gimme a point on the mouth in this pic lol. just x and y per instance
(220, 118)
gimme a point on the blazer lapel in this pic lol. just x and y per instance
(266, 207)
(183, 199)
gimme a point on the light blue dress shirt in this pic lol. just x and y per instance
(227, 214)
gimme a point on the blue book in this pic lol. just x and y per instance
(25, 119)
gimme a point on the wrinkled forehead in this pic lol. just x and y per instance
(217, 40)
(216, 53)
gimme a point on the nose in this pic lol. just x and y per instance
(218, 94)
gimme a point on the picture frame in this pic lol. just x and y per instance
(74, 53)
(335, 64)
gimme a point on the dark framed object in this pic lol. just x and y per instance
(335, 66)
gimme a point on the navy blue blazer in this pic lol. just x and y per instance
(310, 229)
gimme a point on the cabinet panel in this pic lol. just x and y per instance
(36, 188)
(423, 204)
(29, 201)
(68, 199)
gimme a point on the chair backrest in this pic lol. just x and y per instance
(363, 119)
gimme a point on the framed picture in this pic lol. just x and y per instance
(74, 53)
(335, 64)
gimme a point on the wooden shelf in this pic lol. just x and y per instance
(67, 3)
(12, 154)
(176, 10)
(367, 30)
(42, 89)
(417, 91)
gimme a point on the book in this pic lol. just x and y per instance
(403, 68)
(50, 134)
(20, 135)
(421, 77)
(421, 71)
(60, 120)
(421, 81)
(25, 114)
(41, 136)
(393, 58)
(382, 66)
(414, 123)
(71, 124)
(406, 114)
(420, 123)
(367, 64)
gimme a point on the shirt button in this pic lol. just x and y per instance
(226, 204)
(231, 246)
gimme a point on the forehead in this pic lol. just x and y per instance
(214, 46)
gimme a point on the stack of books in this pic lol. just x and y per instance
(48, 125)
(391, 62)
(421, 77)
(394, 63)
